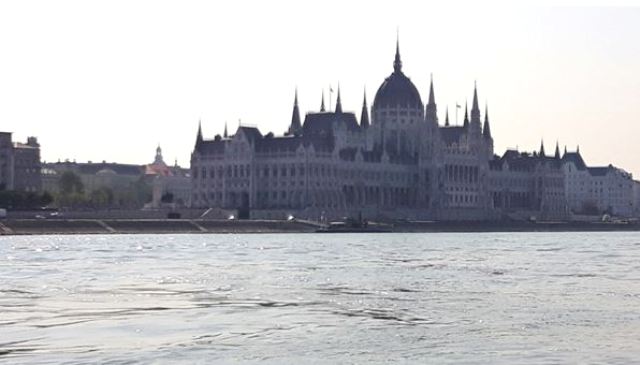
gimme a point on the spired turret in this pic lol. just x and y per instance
(475, 109)
(486, 130)
(364, 117)
(446, 118)
(476, 123)
(295, 126)
(338, 103)
(465, 124)
(199, 138)
(431, 112)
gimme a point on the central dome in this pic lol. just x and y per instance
(397, 89)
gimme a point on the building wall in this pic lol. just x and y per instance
(323, 182)
(6, 161)
(27, 166)
(529, 186)
(599, 190)
(636, 198)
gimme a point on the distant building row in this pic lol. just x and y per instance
(170, 184)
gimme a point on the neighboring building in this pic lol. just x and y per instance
(20, 164)
(597, 190)
(114, 176)
(529, 185)
(27, 167)
(6, 161)
(399, 164)
(636, 198)
(171, 182)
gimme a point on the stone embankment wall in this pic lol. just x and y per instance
(150, 226)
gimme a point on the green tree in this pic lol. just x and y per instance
(70, 183)
(141, 192)
(102, 197)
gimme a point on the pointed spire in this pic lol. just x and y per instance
(557, 154)
(466, 116)
(475, 109)
(199, 138)
(486, 130)
(565, 149)
(578, 149)
(322, 109)
(446, 118)
(338, 102)
(542, 154)
(432, 96)
(397, 62)
(475, 96)
(225, 135)
(431, 110)
(364, 117)
(295, 117)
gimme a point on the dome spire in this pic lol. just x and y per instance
(338, 102)
(397, 63)
(364, 117)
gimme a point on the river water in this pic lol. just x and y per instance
(499, 298)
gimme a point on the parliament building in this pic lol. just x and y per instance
(396, 161)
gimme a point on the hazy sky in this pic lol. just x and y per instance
(110, 80)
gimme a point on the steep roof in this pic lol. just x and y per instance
(211, 147)
(322, 123)
(576, 158)
(599, 171)
(252, 133)
(522, 161)
(451, 135)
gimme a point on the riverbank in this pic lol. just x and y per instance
(149, 226)
(158, 226)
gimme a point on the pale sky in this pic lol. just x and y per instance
(109, 80)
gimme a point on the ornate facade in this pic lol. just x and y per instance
(400, 163)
